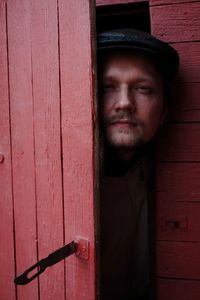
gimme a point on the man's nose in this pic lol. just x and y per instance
(125, 101)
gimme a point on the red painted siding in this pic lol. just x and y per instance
(180, 289)
(179, 142)
(178, 260)
(190, 61)
(161, 2)
(178, 221)
(178, 155)
(178, 152)
(177, 22)
(178, 181)
(189, 109)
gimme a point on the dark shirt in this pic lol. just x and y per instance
(124, 235)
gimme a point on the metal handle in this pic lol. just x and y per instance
(50, 260)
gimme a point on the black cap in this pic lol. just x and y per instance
(165, 57)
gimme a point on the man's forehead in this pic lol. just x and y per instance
(124, 53)
(120, 60)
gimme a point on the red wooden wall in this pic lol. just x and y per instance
(46, 145)
(178, 157)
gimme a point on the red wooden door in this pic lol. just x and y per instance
(46, 145)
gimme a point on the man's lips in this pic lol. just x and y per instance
(123, 123)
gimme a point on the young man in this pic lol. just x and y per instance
(134, 70)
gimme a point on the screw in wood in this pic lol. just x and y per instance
(1, 157)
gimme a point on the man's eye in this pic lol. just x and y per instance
(144, 89)
(108, 87)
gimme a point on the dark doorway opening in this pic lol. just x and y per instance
(132, 15)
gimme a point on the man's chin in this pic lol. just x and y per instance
(125, 137)
(125, 143)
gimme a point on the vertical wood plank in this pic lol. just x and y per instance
(47, 143)
(20, 71)
(77, 134)
(7, 265)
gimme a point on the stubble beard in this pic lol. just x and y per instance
(125, 138)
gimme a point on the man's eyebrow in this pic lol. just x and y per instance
(109, 78)
(146, 79)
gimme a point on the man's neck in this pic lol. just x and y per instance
(119, 161)
(127, 155)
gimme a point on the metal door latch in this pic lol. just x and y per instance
(79, 246)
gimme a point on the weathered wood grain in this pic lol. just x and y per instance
(47, 137)
(189, 53)
(185, 105)
(21, 100)
(77, 135)
(176, 23)
(161, 2)
(7, 264)
(178, 221)
(178, 289)
(178, 260)
(179, 142)
(178, 181)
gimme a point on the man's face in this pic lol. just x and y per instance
(131, 99)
